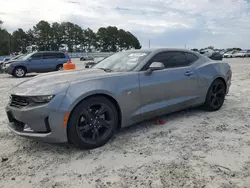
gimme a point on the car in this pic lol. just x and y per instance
(6, 59)
(36, 62)
(94, 62)
(229, 54)
(86, 58)
(214, 55)
(242, 53)
(86, 106)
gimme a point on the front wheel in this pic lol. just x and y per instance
(215, 96)
(19, 72)
(92, 123)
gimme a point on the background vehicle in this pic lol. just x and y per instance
(87, 106)
(36, 62)
(248, 53)
(6, 59)
(86, 58)
(96, 60)
(242, 53)
(229, 54)
(214, 55)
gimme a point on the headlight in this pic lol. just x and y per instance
(42, 99)
(7, 65)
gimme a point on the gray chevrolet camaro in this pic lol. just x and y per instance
(86, 107)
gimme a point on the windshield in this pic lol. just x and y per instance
(26, 57)
(19, 57)
(122, 61)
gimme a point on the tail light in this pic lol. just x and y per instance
(69, 61)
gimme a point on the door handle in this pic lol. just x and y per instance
(189, 73)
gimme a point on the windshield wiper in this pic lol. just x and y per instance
(106, 70)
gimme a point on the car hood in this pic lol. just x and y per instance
(14, 62)
(57, 82)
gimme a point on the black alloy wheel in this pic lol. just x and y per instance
(93, 123)
(215, 96)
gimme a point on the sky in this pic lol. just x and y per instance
(166, 23)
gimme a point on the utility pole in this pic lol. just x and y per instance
(148, 43)
(185, 45)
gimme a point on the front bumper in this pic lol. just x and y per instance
(43, 122)
(8, 70)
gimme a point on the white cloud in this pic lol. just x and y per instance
(222, 23)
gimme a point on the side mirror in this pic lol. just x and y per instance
(156, 66)
(30, 59)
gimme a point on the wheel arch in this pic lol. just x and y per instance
(19, 66)
(109, 97)
(216, 78)
(220, 78)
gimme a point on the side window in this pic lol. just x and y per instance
(49, 56)
(171, 59)
(36, 56)
(59, 55)
(191, 58)
(178, 59)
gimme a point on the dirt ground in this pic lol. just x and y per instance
(193, 149)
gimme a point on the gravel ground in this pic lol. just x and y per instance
(193, 149)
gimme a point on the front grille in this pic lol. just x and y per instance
(19, 101)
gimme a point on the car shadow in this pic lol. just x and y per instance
(152, 123)
(124, 133)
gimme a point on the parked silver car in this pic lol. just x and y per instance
(229, 54)
(86, 107)
(242, 53)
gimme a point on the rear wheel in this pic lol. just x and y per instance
(59, 67)
(19, 72)
(92, 123)
(215, 96)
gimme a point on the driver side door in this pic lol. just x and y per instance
(170, 89)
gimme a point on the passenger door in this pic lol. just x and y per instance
(50, 61)
(35, 63)
(53, 59)
(170, 89)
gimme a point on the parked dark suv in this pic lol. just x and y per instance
(36, 62)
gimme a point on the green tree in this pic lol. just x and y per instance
(5, 41)
(20, 40)
(111, 39)
(50, 36)
(89, 40)
(42, 33)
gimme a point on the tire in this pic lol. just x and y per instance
(215, 96)
(59, 67)
(19, 72)
(86, 121)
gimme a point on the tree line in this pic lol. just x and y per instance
(48, 36)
